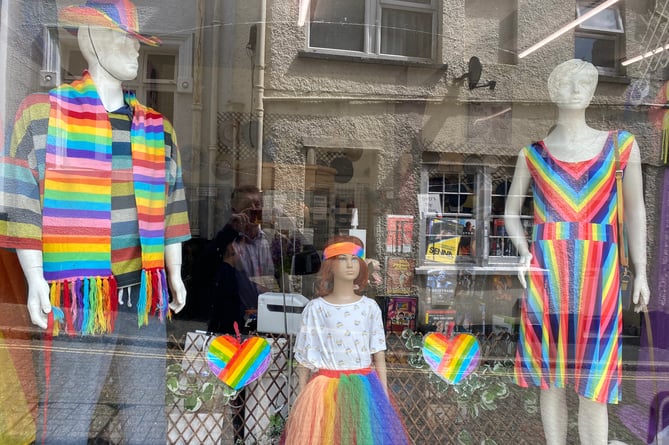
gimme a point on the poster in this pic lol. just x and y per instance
(400, 233)
(441, 285)
(400, 313)
(440, 320)
(399, 275)
(449, 239)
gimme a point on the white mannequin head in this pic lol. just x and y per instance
(572, 84)
(109, 53)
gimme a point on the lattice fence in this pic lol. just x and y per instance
(485, 409)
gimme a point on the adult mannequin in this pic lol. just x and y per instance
(103, 249)
(582, 152)
(112, 58)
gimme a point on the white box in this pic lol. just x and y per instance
(271, 312)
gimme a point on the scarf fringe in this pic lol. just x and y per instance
(87, 305)
(154, 296)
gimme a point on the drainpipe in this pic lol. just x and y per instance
(212, 148)
(260, 90)
(197, 121)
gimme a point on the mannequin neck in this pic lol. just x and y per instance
(572, 139)
(109, 88)
(343, 291)
(572, 122)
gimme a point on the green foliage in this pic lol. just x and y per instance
(195, 392)
(484, 388)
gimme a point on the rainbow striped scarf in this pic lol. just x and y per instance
(76, 221)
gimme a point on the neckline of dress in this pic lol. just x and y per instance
(584, 161)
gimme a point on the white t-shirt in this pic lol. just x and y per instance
(340, 336)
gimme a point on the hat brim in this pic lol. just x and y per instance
(75, 16)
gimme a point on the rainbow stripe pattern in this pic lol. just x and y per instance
(76, 214)
(571, 319)
(343, 248)
(340, 407)
(452, 359)
(237, 364)
(119, 15)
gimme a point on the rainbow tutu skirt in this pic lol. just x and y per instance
(345, 408)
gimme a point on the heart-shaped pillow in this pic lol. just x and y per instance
(237, 364)
(452, 359)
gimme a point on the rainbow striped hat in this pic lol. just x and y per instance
(120, 15)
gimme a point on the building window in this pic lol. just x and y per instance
(377, 28)
(467, 224)
(599, 40)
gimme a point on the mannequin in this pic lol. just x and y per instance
(112, 58)
(97, 213)
(574, 147)
(342, 340)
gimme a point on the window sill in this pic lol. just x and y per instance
(311, 54)
(496, 269)
(619, 79)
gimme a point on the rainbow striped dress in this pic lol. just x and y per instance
(571, 318)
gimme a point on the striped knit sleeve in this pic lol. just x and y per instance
(22, 170)
(177, 228)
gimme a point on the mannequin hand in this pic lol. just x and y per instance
(178, 293)
(173, 266)
(525, 261)
(38, 302)
(641, 293)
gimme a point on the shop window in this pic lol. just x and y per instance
(387, 29)
(599, 40)
(467, 224)
(451, 232)
(500, 247)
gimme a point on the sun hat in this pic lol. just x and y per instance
(119, 15)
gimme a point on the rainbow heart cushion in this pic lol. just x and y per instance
(452, 359)
(237, 364)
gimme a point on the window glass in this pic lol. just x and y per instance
(265, 130)
(405, 33)
(376, 27)
(338, 25)
(161, 67)
(607, 20)
(599, 50)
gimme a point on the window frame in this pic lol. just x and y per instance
(482, 213)
(372, 31)
(620, 29)
(616, 35)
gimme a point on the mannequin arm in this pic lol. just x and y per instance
(635, 221)
(302, 377)
(39, 304)
(173, 266)
(512, 212)
(380, 368)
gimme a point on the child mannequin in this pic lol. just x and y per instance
(342, 333)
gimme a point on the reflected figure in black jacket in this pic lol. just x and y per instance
(226, 285)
